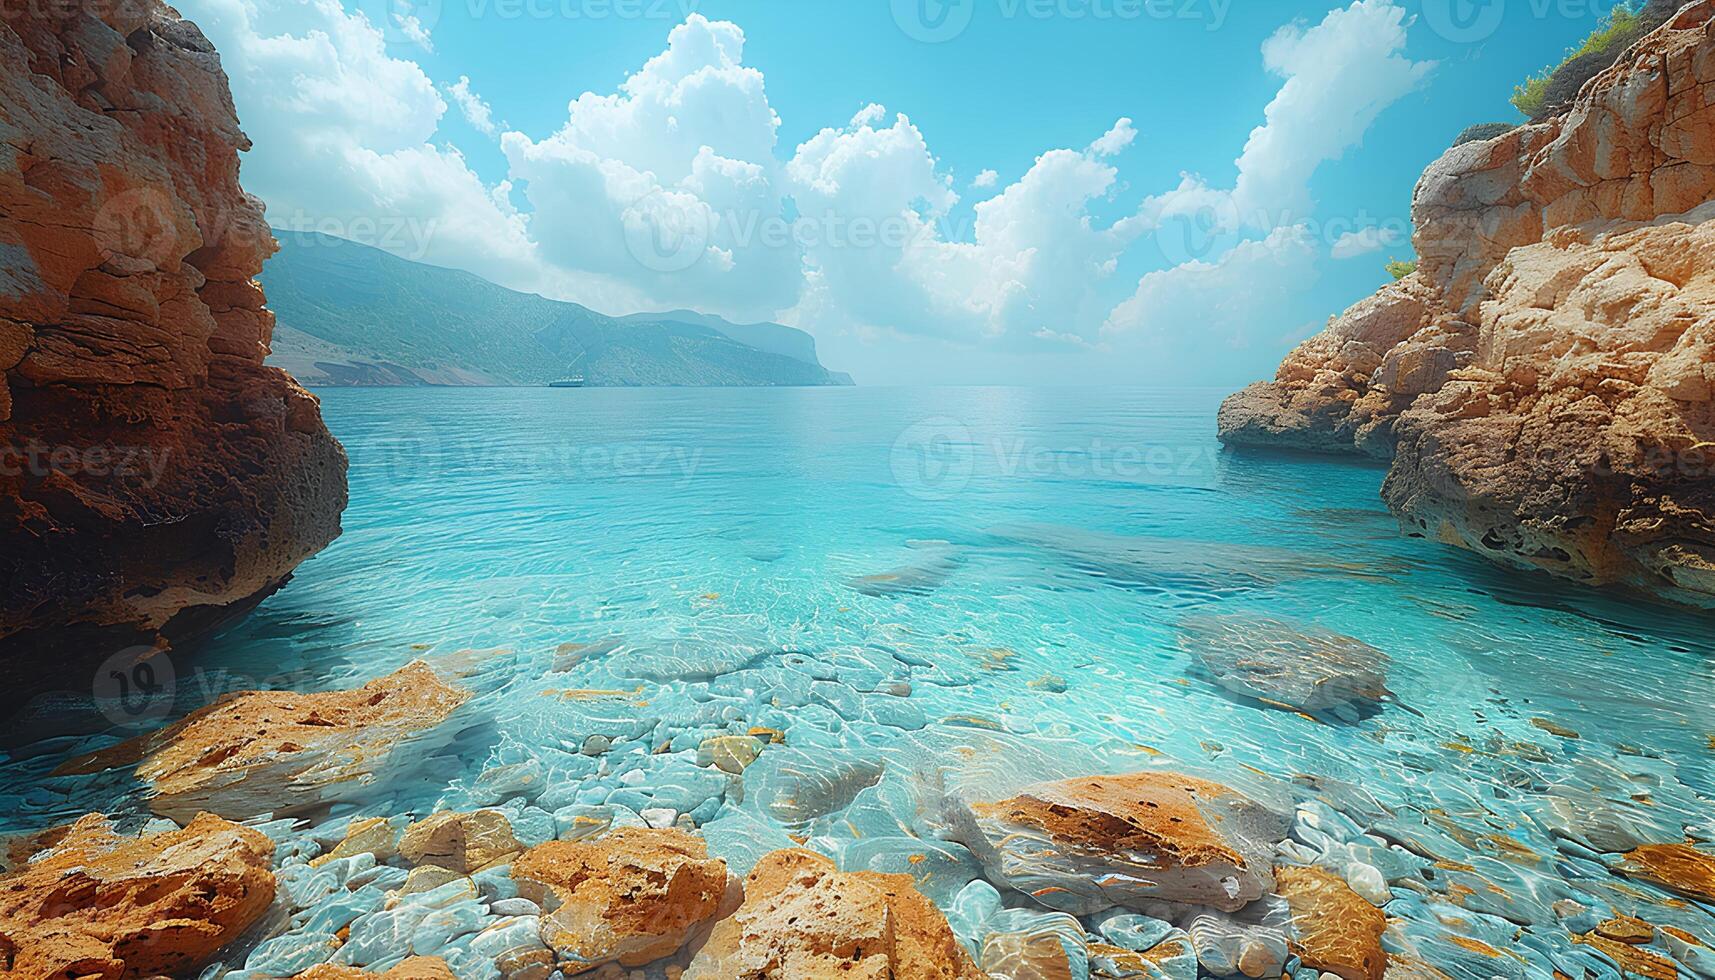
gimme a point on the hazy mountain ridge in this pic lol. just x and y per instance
(349, 314)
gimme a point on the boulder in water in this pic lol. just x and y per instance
(1285, 664)
(1093, 843)
(103, 905)
(803, 919)
(280, 751)
(630, 897)
(1335, 930)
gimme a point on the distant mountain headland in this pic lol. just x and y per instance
(350, 315)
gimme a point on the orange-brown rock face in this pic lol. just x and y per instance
(630, 897)
(1679, 867)
(1545, 383)
(803, 920)
(413, 968)
(103, 906)
(1084, 845)
(280, 751)
(154, 476)
(1336, 931)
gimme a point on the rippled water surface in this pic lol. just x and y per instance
(927, 587)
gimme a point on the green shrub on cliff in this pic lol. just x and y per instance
(1553, 90)
(1399, 270)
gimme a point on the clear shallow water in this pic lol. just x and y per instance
(1038, 553)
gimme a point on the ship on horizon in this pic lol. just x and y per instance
(574, 379)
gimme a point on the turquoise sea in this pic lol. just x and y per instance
(926, 587)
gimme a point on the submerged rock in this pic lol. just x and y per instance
(279, 751)
(1542, 382)
(1175, 565)
(804, 920)
(1227, 946)
(102, 905)
(132, 337)
(797, 786)
(1677, 867)
(729, 753)
(937, 563)
(1335, 930)
(1038, 955)
(630, 897)
(461, 842)
(413, 968)
(375, 835)
(1093, 843)
(1285, 664)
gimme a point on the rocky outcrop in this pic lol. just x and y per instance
(281, 752)
(1336, 932)
(99, 905)
(804, 920)
(1092, 843)
(1543, 383)
(155, 477)
(631, 897)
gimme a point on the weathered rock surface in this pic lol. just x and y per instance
(280, 751)
(804, 920)
(156, 476)
(1543, 383)
(413, 968)
(630, 897)
(460, 842)
(1336, 931)
(99, 905)
(1285, 664)
(1679, 867)
(1093, 843)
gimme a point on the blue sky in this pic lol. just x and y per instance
(823, 162)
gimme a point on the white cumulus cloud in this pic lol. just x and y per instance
(476, 111)
(1339, 75)
(1365, 241)
(1233, 300)
(673, 191)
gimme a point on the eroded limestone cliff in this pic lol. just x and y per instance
(1542, 384)
(154, 475)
